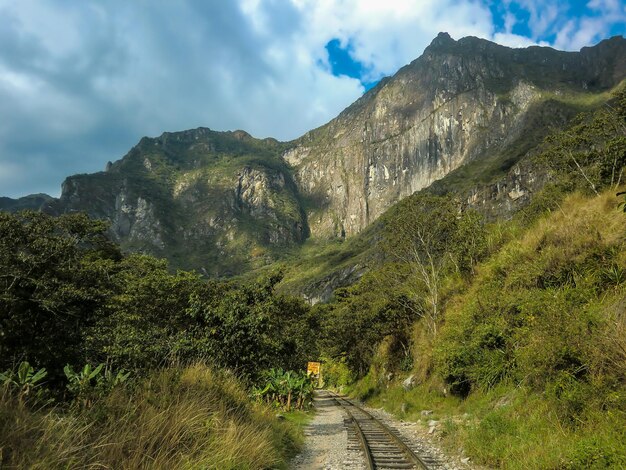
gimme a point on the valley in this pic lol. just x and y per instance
(450, 247)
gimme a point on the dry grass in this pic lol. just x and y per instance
(540, 333)
(581, 220)
(194, 418)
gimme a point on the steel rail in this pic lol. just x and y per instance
(406, 450)
(369, 460)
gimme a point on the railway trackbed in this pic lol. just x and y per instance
(382, 446)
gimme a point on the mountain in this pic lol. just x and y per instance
(467, 110)
(214, 201)
(30, 202)
(461, 101)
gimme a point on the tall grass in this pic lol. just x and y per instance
(177, 418)
(537, 339)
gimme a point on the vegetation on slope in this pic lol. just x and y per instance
(69, 300)
(528, 369)
(189, 417)
(514, 337)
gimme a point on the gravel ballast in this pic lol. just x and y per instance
(326, 445)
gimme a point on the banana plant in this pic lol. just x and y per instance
(274, 378)
(304, 390)
(24, 380)
(287, 383)
(81, 382)
(284, 387)
(262, 392)
(110, 380)
(82, 379)
(90, 382)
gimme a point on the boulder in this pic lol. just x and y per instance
(409, 382)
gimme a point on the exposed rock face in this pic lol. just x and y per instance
(461, 101)
(506, 196)
(223, 202)
(207, 200)
(135, 219)
(322, 290)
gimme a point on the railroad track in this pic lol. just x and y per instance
(382, 446)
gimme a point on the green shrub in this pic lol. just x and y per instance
(595, 453)
(25, 382)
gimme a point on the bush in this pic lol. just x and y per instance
(596, 452)
(286, 389)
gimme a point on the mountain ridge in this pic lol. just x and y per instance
(426, 97)
(225, 202)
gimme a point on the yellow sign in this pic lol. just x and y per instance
(313, 368)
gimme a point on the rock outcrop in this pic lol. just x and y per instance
(460, 101)
(467, 110)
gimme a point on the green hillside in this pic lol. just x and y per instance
(513, 333)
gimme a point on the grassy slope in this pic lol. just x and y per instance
(176, 418)
(538, 338)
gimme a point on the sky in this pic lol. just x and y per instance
(82, 81)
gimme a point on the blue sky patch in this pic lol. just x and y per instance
(573, 10)
(343, 64)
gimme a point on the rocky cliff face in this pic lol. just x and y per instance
(461, 101)
(217, 202)
(224, 202)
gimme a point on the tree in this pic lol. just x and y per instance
(249, 328)
(361, 316)
(54, 280)
(430, 235)
(146, 321)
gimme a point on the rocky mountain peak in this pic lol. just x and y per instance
(224, 201)
(461, 101)
(442, 40)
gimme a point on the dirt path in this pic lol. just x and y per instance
(326, 444)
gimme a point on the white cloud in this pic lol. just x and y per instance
(587, 31)
(510, 20)
(387, 35)
(543, 16)
(604, 6)
(81, 82)
(515, 40)
(571, 27)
